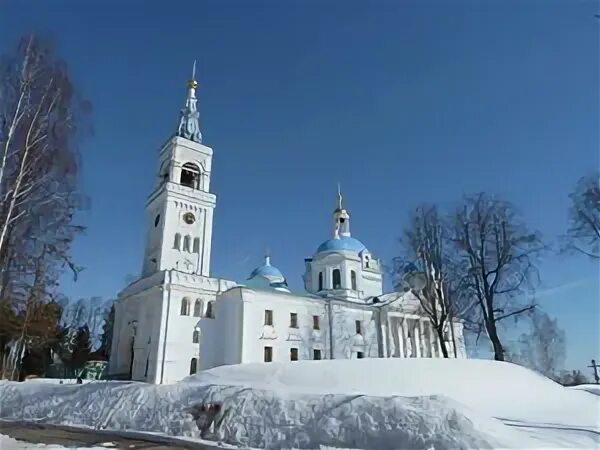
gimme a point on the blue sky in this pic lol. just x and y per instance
(401, 102)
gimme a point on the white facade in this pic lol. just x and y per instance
(176, 319)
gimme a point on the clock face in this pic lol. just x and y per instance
(189, 218)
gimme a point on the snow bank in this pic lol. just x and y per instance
(8, 443)
(592, 388)
(367, 404)
(496, 389)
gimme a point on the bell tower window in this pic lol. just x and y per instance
(337, 279)
(190, 176)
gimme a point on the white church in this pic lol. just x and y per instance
(176, 319)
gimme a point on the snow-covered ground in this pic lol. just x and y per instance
(593, 388)
(8, 443)
(366, 404)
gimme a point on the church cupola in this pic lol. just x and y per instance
(189, 127)
(341, 219)
(342, 266)
(267, 277)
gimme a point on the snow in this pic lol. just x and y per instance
(367, 404)
(592, 388)
(8, 443)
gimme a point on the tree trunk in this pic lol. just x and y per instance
(490, 326)
(440, 334)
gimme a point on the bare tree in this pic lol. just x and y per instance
(543, 348)
(499, 254)
(428, 258)
(583, 234)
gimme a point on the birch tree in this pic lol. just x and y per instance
(583, 234)
(500, 255)
(41, 119)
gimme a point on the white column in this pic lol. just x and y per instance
(417, 337)
(405, 337)
(422, 340)
(432, 346)
(400, 334)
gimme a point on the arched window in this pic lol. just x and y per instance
(198, 308)
(353, 279)
(185, 307)
(186, 243)
(196, 337)
(193, 366)
(209, 310)
(190, 175)
(320, 281)
(196, 245)
(337, 279)
(177, 241)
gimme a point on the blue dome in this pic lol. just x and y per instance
(267, 277)
(266, 271)
(343, 243)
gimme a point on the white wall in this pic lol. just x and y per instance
(280, 336)
(163, 336)
(239, 334)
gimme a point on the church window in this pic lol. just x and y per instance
(198, 308)
(293, 320)
(177, 241)
(193, 366)
(360, 355)
(156, 220)
(353, 279)
(190, 176)
(358, 327)
(185, 307)
(293, 354)
(186, 243)
(320, 281)
(196, 245)
(210, 313)
(316, 354)
(316, 325)
(337, 279)
(268, 354)
(196, 337)
(268, 317)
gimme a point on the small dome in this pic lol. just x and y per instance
(267, 276)
(266, 271)
(343, 243)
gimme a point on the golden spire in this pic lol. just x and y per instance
(193, 84)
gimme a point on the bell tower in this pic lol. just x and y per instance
(179, 211)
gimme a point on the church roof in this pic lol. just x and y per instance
(342, 243)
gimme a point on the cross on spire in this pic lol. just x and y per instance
(339, 196)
